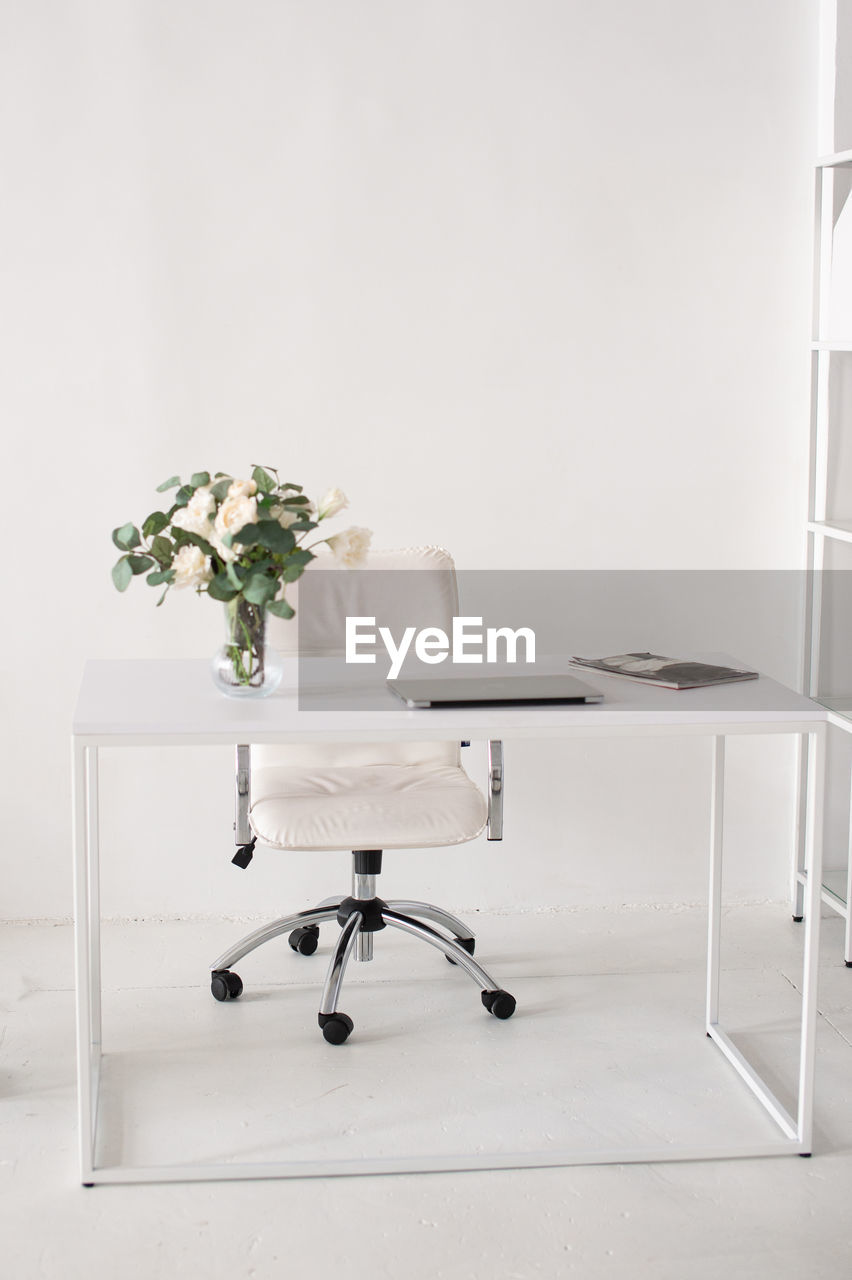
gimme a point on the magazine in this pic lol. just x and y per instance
(670, 673)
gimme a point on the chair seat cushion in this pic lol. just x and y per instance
(366, 807)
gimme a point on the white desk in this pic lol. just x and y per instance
(170, 703)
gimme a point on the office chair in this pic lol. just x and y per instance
(366, 797)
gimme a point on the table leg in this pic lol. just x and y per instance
(810, 966)
(803, 766)
(800, 1128)
(87, 946)
(714, 926)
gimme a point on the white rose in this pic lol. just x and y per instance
(195, 516)
(232, 516)
(192, 567)
(335, 500)
(350, 547)
(242, 489)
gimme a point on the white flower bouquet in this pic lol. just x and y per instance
(240, 542)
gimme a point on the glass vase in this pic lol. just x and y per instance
(246, 666)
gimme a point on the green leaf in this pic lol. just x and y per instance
(291, 573)
(263, 480)
(183, 495)
(159, 576)
(302, 526)
(296, 563)
(220, 588)
(259, 589)
(122, 573)
(168, 484)
(140, 564)
(302, 556)
(155, 523)
(248, 536)
(220, 488)
(299, 500)
(297, 487)
(127, 537)
(269, 534)
(162, 549)
(281, 609)
(200, 478)
(183, 536)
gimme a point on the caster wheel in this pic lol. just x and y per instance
(500, 1003)
(336, 1027)
(469, 945)
(305, 940)
(226, 985)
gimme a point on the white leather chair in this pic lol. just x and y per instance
(366, 798)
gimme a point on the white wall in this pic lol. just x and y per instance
(468, 259)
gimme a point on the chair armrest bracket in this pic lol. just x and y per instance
(242, 828)
(495, 790)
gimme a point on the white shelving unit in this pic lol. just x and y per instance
(829, 526)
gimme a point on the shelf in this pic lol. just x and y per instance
(839, 708)
(834, 883)
(833, 890)
(836, 160)
(838, 529)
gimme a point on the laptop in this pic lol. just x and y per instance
(493, 691)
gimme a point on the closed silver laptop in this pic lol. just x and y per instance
(471, 691)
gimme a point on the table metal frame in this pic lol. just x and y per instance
(795, 1130)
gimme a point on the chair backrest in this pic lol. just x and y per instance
(422, 592)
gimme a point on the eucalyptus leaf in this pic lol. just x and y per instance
(200, 478)
(159, 576)
(299, 500)
(292, 572)
(269, 534)
(156, 522)
(122, 574)
(259, 589)
(220, 588)
(140, 564)
(220, 488)
(297, 487)
(162, 549)
(281, 609)
(249, 535)
(183, 536)
(302, 556)
(127, 537)
(183, 495)
(168, 484)
(263, 480)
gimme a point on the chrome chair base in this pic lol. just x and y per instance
(360, 916)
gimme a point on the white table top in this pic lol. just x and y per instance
(133, 701)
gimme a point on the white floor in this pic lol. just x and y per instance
(607, 1048)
